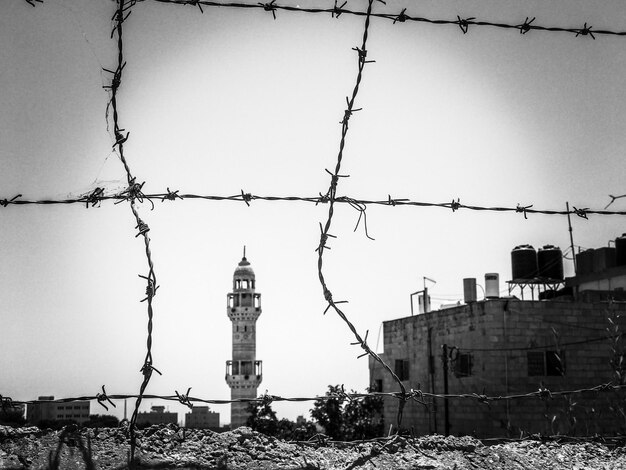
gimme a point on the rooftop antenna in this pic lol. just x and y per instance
(425, 293)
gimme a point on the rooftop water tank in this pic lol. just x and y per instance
(550, 263)
(524, 262)
(492, 285)
(620, 250)
(584, 262)
(469, 289)
(603, 259)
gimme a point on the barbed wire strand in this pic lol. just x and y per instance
(133, 194)
(96, 197)
(414, 394)
(331, 197)
(402, 17)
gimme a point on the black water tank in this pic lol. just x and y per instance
(603, 259)
(584, 262)
(524, 262)
(550, 263)
(620, 250)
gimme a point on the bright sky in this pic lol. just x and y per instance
(232, 100)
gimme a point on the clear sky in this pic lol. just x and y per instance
(232, 100)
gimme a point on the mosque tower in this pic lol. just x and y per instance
(243, 372)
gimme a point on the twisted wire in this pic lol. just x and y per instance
(463, 24)
(358, 203)
(330, 197)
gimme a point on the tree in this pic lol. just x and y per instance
(345, 419)
(329, 414)
(262, 418)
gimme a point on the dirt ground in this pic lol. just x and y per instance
(168, 447)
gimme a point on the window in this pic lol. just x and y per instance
(235, 367)
(246, 367)
(550, 363)
(378, 385)
(463, 365)
(401, 369)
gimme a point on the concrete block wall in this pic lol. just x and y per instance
(498, 334)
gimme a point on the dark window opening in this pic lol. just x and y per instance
(551, 363)
(463, 365)
(245, 328)
(378, 385)
(235, 367)
(555, 363)
(401, 369)
(246, 367)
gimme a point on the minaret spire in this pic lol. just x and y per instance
(243, 371)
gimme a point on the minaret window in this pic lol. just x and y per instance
(245, 328)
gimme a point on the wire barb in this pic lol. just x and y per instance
(32, 2)
(184, 399)
(464, 23)
(5, 203)
(337, 11)
(526, 25)
(102, 397)
(523, 209)
(270, 7)
(582, 213)
(585, 31)
(455, 205)
(401, 18)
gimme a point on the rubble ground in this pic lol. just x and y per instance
(169, 447)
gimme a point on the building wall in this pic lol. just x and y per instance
(148, 419)
(77, 411)
(201, 418)
(499, 335)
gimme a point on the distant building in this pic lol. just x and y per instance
(201, 417)
(243, 372)
(157, 415)
(507, 346)
(77, 411)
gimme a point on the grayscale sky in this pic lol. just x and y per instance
(232, 100)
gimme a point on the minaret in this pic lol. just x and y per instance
(243, 373)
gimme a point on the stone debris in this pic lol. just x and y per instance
(170, 447)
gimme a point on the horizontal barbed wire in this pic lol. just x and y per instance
(417, 395)
(97, 197)
(401, 17)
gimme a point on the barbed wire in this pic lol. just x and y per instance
(96, 197)
(402, 17)
(416, 395)
(133, 194)
(330, 196)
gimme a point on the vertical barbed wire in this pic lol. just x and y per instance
(133, 194)
(331, 198)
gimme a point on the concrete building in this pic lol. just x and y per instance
(507, 346)
(77, 411)
(157, 415)
(201, 417)
(243, 372)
